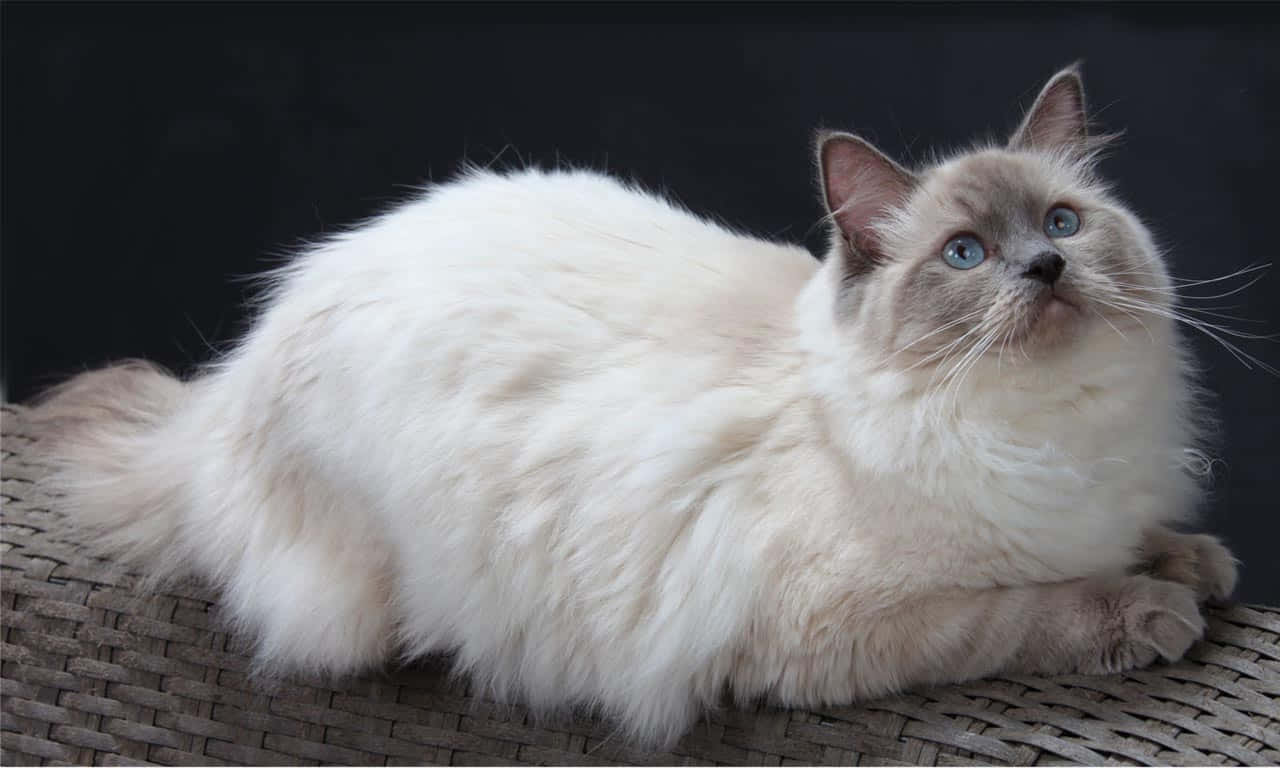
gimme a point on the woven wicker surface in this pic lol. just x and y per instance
(96, 673)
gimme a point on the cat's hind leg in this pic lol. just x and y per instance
(304, 572)
(313, 606)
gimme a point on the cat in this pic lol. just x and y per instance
(612, 455)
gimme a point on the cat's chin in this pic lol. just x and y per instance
(1058, 310)
(1056, 319)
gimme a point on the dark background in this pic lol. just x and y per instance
(155, 155)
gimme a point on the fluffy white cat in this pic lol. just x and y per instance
(612, 454)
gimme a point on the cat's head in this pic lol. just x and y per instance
(1005, 247)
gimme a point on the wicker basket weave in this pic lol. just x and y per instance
(95, 673)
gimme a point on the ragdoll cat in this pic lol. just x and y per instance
(615, 455)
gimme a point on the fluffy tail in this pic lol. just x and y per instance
(144, 480)
(103, 433)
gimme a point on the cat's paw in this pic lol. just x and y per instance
(1143, 619)
(1196, 560)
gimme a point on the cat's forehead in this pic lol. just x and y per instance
(992, 184)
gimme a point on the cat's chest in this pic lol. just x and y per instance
(1001, 515)
(1042, 522)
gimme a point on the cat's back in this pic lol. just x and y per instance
(567, 241)
(537, 299)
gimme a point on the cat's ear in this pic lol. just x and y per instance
(859, 185)
(1057, 120)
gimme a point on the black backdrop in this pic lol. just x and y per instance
(154, 154)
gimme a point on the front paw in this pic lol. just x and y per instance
(1142, 619)
(1196, 560)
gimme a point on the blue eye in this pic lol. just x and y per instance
(963, 252)
(1061, 222)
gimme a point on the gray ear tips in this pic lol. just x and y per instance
(1074, 74)
(822, 137)
(1059, 116)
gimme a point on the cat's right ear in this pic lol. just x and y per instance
(860, 184)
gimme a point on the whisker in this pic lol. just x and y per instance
(946, 351)
(948, 389)
(1237, 318)
(940, 329)
(1209, 329)
(1180, 282)
(1178, 315)
(1103, 299)
(979, 349)
(1242, 271)
(1108, 322)
(1175, 291)
(1003, 343)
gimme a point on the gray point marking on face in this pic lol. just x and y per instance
(891, 228)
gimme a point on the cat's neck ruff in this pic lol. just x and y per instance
(1048, 454)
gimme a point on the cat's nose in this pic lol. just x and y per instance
(1046, 267)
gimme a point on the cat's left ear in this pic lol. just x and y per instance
(1057, 121)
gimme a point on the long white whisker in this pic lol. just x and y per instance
(945, 352)
(1103, 300)
(1180, 282)
(951, 383)
(1236, 318)
(1189, 320)
(1108, 322)
(940, 329)
(979, 349)
(1003, 343)
(1209, 329)
(1242, 271)
(1176, 291)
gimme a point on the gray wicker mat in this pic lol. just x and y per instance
(94, 673)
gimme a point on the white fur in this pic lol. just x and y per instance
(611, 453)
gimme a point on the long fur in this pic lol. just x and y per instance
(613, 454)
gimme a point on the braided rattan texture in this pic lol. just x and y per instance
(96, 673)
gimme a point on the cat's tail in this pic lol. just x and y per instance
(148, 475)
(118, 475)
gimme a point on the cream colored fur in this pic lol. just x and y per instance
(612, 454)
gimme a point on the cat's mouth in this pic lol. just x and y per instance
(1058, 308)
(1053, 315)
